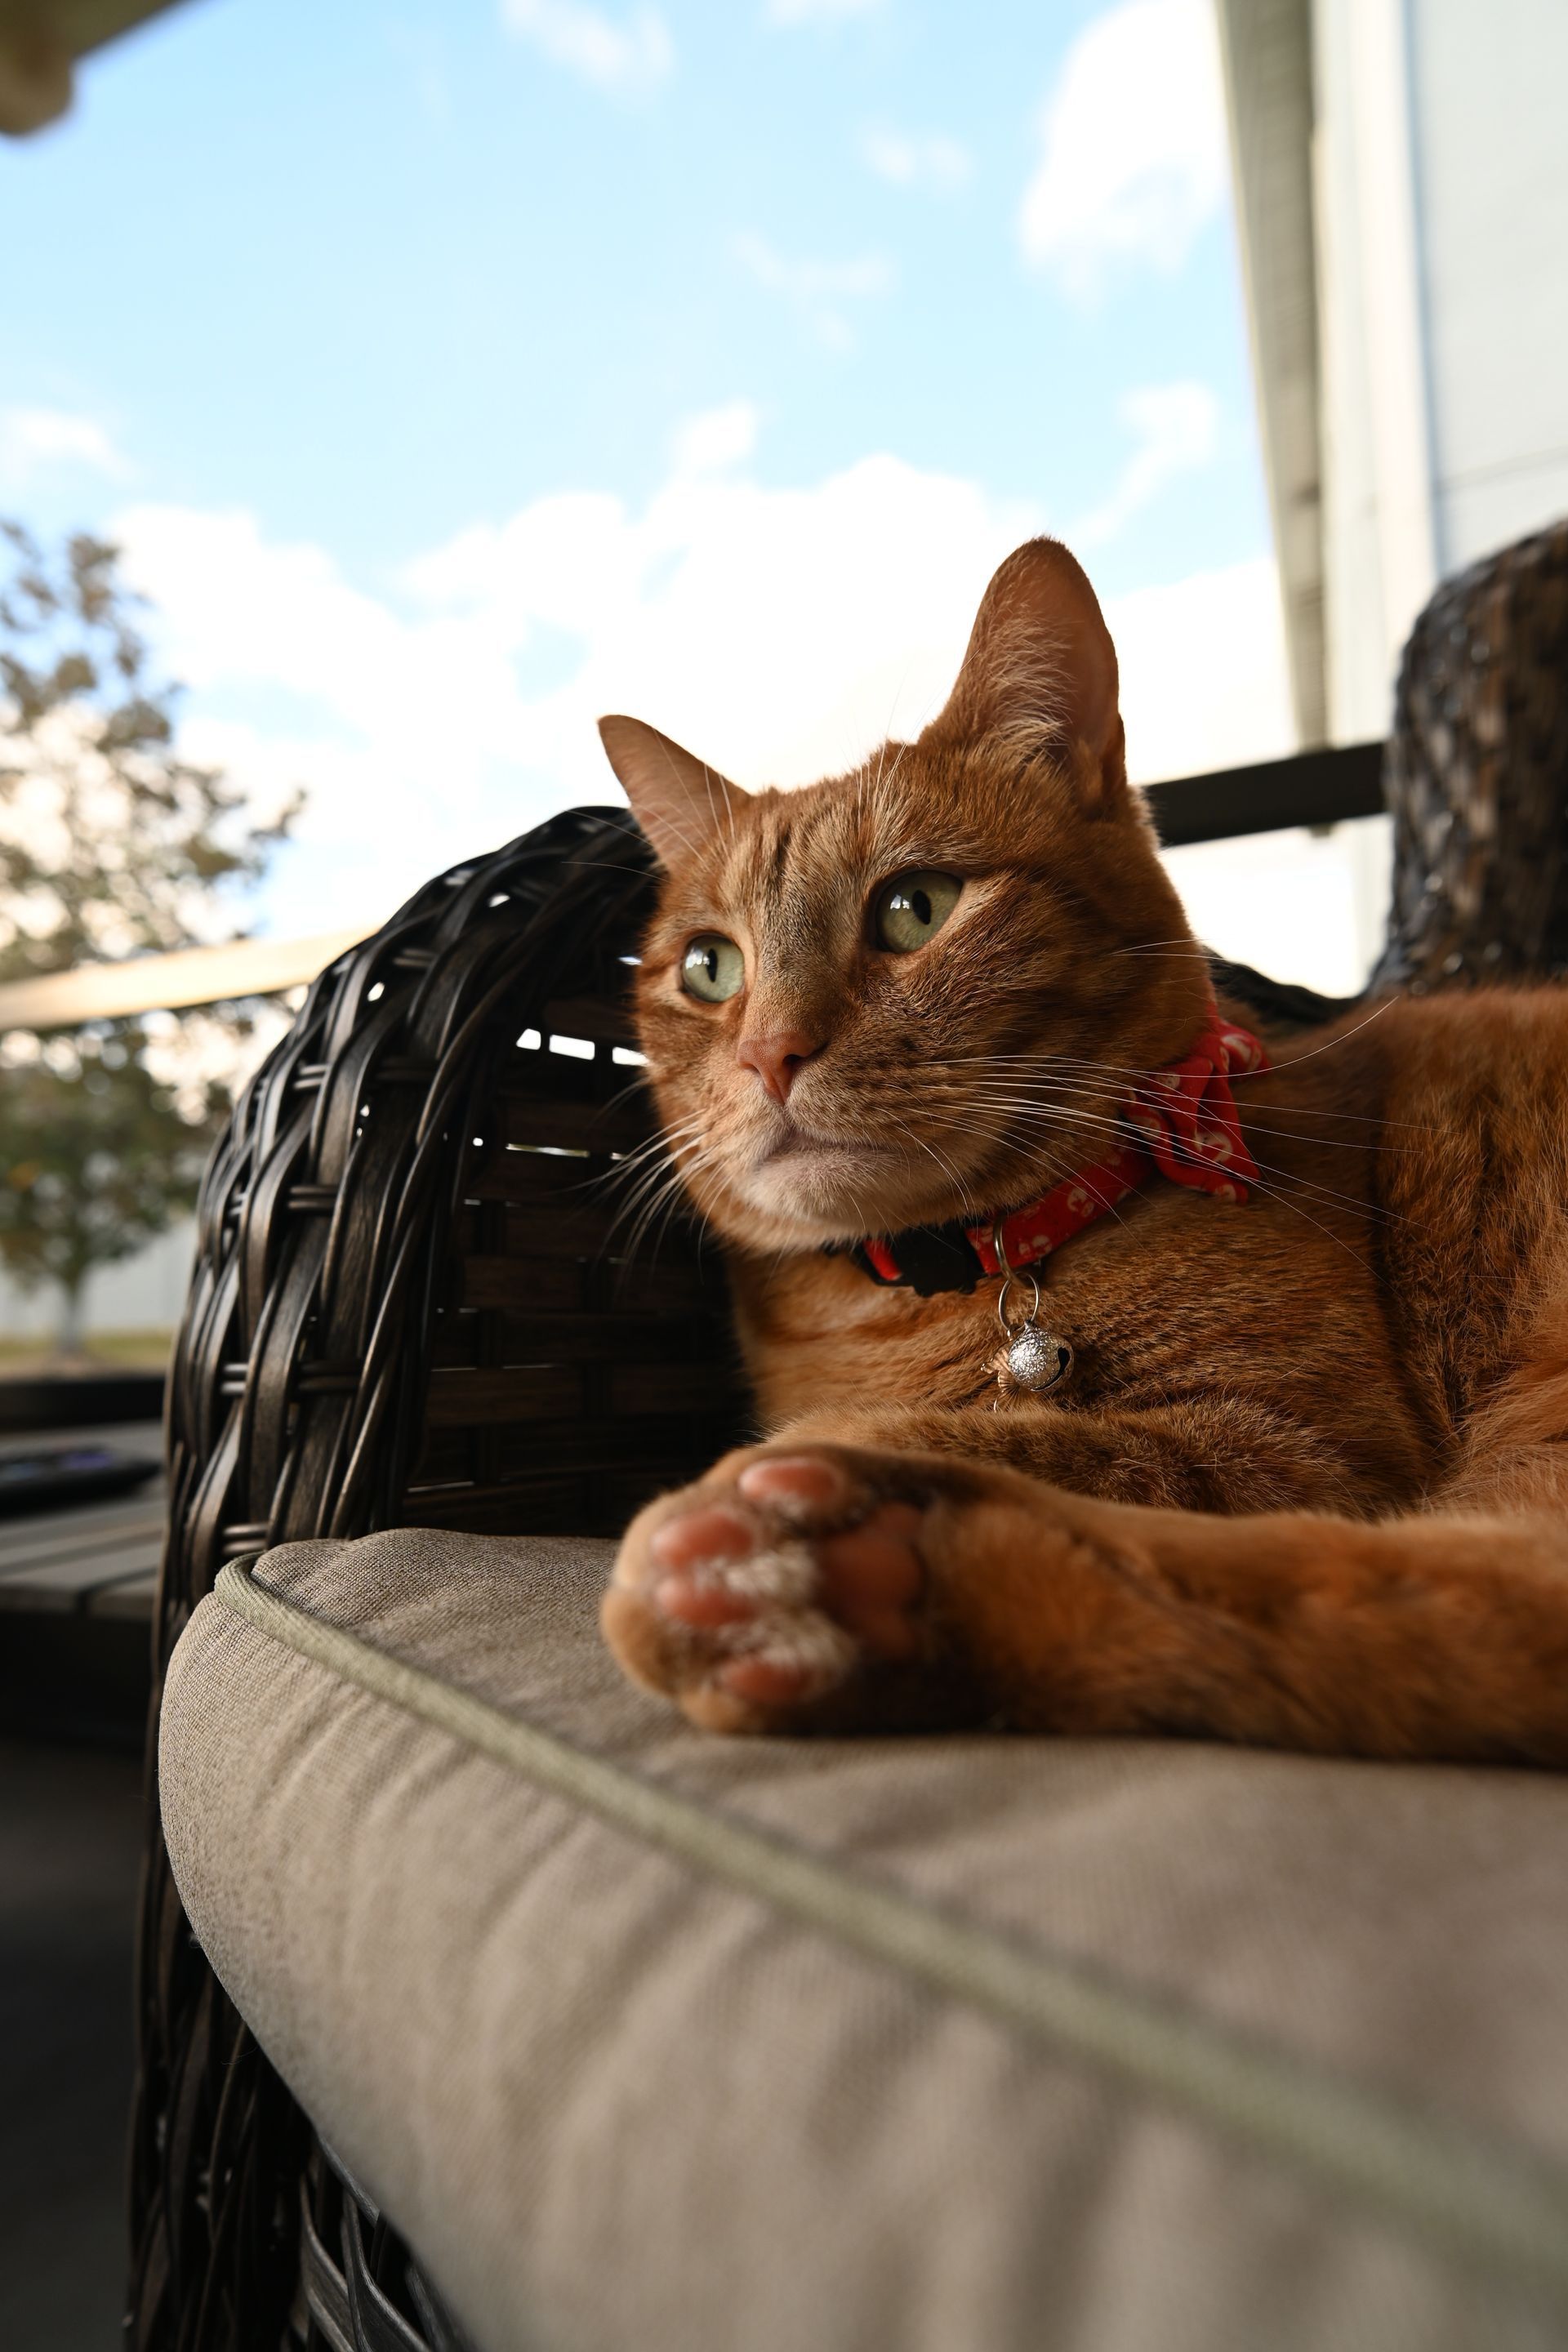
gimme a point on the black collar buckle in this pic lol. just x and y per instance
(930, 1258)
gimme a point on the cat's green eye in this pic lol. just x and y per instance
(713, 968)
(912, 908)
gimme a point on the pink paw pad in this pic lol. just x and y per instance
(786, 1613)
(800, 1480)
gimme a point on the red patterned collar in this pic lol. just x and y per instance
(1179, 1122)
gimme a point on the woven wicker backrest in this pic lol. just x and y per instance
(1477, 777)
(417, 1299)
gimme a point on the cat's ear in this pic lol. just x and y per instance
(1040, 667)
(678, 803)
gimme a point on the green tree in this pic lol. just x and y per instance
(110, 846)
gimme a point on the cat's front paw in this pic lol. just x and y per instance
(783, 1591)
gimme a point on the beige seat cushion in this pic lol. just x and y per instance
(652, 2043)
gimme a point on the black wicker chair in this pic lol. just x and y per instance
(408, 1309)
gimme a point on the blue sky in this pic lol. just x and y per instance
(453, 369)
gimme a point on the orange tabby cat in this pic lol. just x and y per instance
(1304, 1482)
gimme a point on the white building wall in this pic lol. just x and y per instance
(1441, 177)
(1489, 93)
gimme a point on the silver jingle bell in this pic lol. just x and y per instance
(1037, 1359)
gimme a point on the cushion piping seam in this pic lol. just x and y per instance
(1480, 2200)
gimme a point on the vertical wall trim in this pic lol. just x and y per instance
(1265, 48)
(1393, 320)
(1416, 177)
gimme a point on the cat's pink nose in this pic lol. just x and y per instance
(778, 1060)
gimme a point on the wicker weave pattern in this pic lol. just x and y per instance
(358, 2289)
(410, 1306)
(1477, 777)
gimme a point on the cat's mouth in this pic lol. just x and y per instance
(797, 1142)
(830, 1186)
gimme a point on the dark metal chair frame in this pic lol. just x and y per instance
(412, 1305)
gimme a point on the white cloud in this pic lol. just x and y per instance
(927, 159)
(780, 632)
(34, 439)
(716, 440)
(1134, 158)
(1174, 427)
(802, 12)
(628, 54)
(816, 289)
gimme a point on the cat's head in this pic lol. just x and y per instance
(915, 992)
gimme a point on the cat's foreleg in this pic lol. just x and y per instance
(1202, 1454)
(807, 1586)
